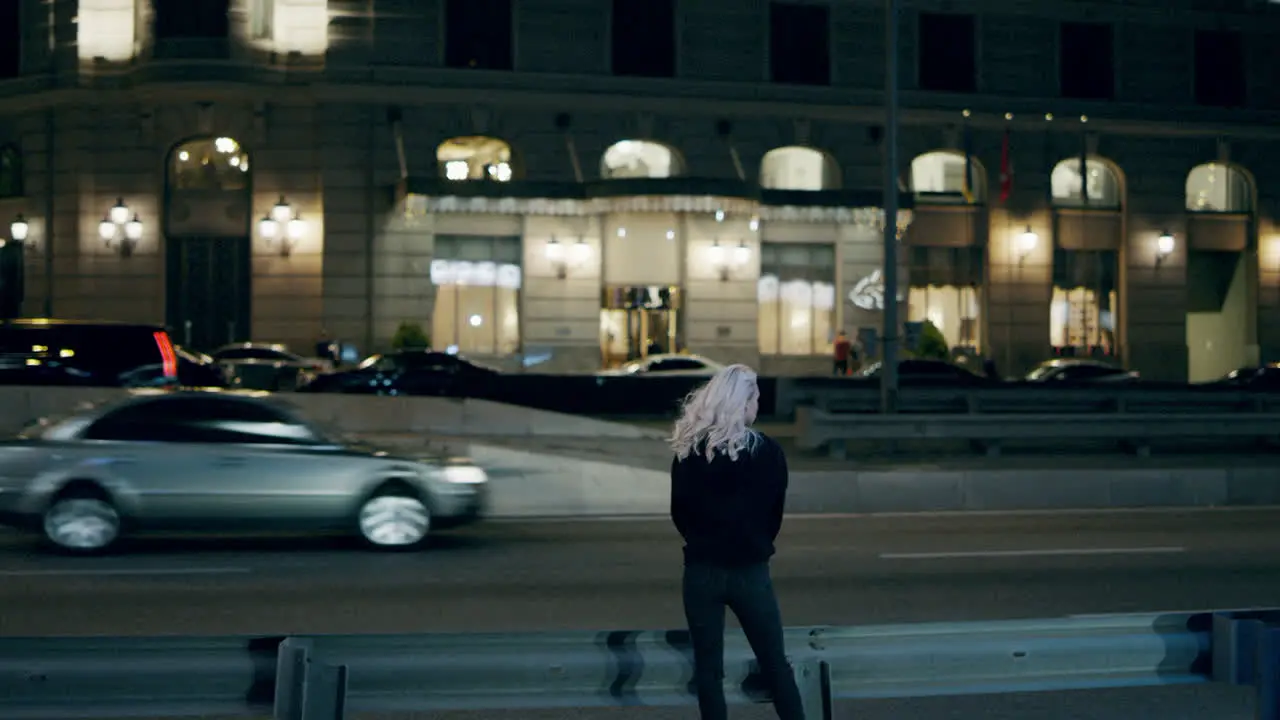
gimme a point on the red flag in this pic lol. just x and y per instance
(1006, 170)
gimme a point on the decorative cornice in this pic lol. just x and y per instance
(872, 217)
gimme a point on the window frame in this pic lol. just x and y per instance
(820, 268)
(502, 250)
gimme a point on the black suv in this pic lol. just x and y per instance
(66, 352)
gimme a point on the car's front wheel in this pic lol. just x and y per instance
(81, 521)
(394, 518)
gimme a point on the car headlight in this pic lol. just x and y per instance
(463, 474)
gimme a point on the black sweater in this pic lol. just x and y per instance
(729, 511)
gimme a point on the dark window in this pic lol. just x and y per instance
(10, 39)
(1219, 58)
(10, 172)
(1086, 61)
(191, 19)
(948, 53)
(644, 38)
(799, 44)
(478, 34)
(200, 420)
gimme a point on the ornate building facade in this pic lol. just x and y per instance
(565, 184)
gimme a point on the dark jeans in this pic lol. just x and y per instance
(840, 367)
(748, 592)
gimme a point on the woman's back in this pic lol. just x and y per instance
(729, 511)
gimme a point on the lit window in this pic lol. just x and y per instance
(1082, 313)
(477, 306)
(797, 168)
(953, 310)
(1215, 187)
(475, 158)
(797, 297)
(639, 159)
(939, 177)
(1102, 189)
(209, 164)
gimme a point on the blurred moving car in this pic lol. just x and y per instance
(209, 461)
(918, 370)
(1263, 378)
(666, 365)
(266, 366)
(197, 370)
(1080, 371)
(72, 352)
(405, 372)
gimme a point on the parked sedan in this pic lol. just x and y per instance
(406, 372)
(262, 366)
(667, 365)
(1080, 371)
(209, 461)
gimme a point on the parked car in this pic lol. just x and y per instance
(68, 352)
(209, 461)
(197, 370)
(1265, 378)
(1080, 371)
(666, 365)
(406, 372)
(917, 370)
(265, 366)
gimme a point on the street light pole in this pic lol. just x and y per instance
(889, 331)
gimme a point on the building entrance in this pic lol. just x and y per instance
(636, 322)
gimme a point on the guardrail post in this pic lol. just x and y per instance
(307, 689)
(813, 676)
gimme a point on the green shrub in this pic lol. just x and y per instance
(410, 336)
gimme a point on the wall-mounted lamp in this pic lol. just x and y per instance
(116, 226)
(282, 216)
(723, 263)
(719, 216)
(561, 260)
(19, 229)
(1026, 243)
(1164, 246)
(754, 224)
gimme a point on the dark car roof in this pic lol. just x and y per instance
(36, 323)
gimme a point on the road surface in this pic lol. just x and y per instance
(624, 574)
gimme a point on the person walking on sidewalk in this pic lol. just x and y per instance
(728, 491)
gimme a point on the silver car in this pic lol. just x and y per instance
(216, 462)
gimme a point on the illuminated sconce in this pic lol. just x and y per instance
(719, 216)
(754, 224)
(1026, 243)
(118, 227)
(282, 217)
(723, 263)
(577, 256)
(1164, 246)
(19, 229)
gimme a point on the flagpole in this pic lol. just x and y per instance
(889, 332)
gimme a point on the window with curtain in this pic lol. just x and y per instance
(1082, 316)
(797, 295)
(945, 284)
(477, 308)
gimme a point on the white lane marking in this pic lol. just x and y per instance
(126, 571)
(1031, 553)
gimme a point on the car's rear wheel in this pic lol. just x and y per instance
(81, 520)
(394, 518)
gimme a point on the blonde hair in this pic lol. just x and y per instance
(714, 417)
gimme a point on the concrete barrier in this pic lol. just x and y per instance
(532, 484)
(360, 414)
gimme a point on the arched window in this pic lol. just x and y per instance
(939, 175)
(209, 164)
(474, 158)
(798, 168)
(1103, 187)
(1215, 187)
(10, 172)
(639, 159)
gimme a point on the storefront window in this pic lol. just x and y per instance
(952, 309)
(1082, 316)
(797, 295)
(477, 307)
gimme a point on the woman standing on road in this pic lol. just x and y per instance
(728, 489)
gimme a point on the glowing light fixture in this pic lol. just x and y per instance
(119, 212)
(18, 229)
(1027, 242)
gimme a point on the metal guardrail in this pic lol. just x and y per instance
(817, 428)
(324, 677)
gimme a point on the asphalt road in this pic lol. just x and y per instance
(623, 574)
